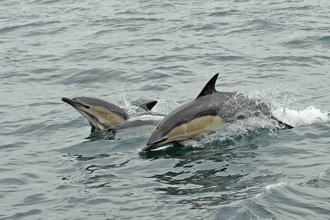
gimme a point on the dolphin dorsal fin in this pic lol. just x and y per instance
(148, 106)
(209, 88)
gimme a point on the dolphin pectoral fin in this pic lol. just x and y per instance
(148, 105)
(209, 88)
(282, 123)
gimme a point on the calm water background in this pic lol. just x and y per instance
(127, 52)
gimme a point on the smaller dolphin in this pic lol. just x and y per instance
(209, 111)
(102, 114)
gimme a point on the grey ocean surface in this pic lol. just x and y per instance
(129, 52)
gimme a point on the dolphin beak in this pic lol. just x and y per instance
(149, 147)
(74, 103)
(69, 101)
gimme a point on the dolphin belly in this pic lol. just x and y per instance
(194, 128)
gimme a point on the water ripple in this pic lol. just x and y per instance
(54, 166)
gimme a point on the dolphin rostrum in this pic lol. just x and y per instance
(102, 114)
(209, 111)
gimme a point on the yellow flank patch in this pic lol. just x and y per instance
(106, 118)
(194, 128)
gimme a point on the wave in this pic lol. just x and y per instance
(304, 117)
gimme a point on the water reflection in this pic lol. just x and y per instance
(93, 167)
(217, 173)
(96, 134)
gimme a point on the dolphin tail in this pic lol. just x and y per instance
(282, 123)
(148, 105)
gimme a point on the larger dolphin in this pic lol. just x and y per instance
(103, 114)
(209, 111)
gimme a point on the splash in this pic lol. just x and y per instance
(304, 117)
(270, 187)
(282, 109)
(165, 106)
(137, 113)
(253, 127)
(147, 117)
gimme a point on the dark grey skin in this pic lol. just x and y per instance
(134, 123)
(103, 114)
(209, 111)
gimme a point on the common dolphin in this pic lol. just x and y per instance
(209, 111)
(102, 114)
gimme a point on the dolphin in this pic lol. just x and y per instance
(209, 111)
(102, 114)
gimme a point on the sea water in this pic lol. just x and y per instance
(129, 52)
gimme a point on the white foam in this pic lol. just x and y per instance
(303, 117)
(270, 187)
(146, 118)
(165, 107)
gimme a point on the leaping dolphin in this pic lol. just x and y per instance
(102, 114)
(209, 111)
